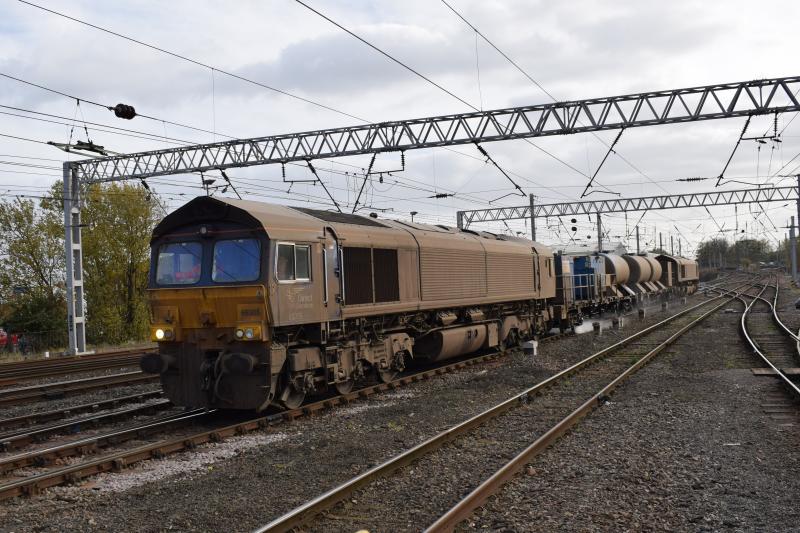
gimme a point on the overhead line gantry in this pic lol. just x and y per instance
(708, 102)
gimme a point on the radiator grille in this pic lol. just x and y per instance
(452, 274)
(387, 283)
(510, 274)
(357, 275)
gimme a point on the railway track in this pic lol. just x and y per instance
(11, 373)
(219, 428)
(21, 437)
(15, 439)
(774, 343)
(106, 458)
(61, 389)
(42, 417)
(485, 451)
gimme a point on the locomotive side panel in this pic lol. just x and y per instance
(452, 267)
(512, 272)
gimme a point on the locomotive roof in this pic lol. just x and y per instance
(306, 224)
(678, 259)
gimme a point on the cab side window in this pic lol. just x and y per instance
(294, 262)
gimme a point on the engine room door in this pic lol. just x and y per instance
(537, 274)
(333, 292)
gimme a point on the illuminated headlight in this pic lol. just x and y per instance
(240, 333)
(248, 333)
(162, 334)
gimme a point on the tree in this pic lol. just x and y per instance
(713, 253)
(118, 220)
(32, 271)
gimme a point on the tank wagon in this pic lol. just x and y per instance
(588, 284)
(254, 304)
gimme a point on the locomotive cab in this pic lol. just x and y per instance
(208, 296)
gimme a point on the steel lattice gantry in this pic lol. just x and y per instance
(708, 102)
(757, 97)
(621, 205)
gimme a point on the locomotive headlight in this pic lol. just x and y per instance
(248, 332)
(162, 334)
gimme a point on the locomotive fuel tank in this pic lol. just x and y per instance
(448, 343)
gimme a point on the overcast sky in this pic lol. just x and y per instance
(578, 49)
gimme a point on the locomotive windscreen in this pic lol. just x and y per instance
(236, 260)
(179, 263)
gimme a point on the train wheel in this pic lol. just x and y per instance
(387, 375)
(343, 387)
(294, 398)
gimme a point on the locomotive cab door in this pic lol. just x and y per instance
(333, 289)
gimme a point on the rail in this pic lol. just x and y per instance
(748, 307)
(61, 389)
(297, 517)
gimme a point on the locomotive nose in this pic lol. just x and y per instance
(154, 363)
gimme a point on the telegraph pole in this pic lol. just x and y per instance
(794, 243)
(679, 247)
(533, 218)
(599, 234)
(660, 242)
(637, 239)
(793, 250)
(671, 245)
(798, 199)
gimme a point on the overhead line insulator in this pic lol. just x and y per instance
(128, 112)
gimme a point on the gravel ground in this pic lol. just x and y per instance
(259, 482)
(416, 496)
(693, 442)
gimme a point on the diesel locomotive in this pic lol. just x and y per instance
(254, 304)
